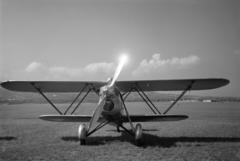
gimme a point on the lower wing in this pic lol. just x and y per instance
(134, 118)
(154, 118)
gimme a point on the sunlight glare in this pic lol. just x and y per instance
(119, 68)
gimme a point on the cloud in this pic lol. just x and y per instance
(100, 67)
(34, 66)
(58, 72)
(156, 64)
(65, 71)
(237, 52)
(94, 68)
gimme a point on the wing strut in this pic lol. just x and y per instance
(87, 84)
(47, 99)
(94, 89)
(148, 99)
(145, 101)
(180, 96)
(75, 99)
(129, 119)
(81, 101)
(128, 91)
(138, 89)
(127, 94)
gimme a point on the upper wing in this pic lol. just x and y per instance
(173, 85)
(145, 85)
(51, 86)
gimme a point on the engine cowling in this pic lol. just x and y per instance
(112, 107)
(109, 106)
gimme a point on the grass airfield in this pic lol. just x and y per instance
(212, 132)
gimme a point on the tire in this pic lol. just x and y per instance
(82, 134)
(139, 142)
(138, 134)
(82, 142)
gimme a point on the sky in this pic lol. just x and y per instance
(74, 40)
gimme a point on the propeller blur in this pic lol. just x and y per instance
(109, 101)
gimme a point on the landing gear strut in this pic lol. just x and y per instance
(118, 130)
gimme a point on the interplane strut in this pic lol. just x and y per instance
(179, 97)
(148, 99)
(132, 87)
(76, 98)
(136, 87)
(81, 101)
(47, 99)
(87, 84)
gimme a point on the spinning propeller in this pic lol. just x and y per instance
(102, 101)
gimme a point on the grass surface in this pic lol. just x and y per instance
(212, 132)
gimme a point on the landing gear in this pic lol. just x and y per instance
(118, 130)
(82, 134)
(138, 134)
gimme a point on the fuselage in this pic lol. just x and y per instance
(113, 107)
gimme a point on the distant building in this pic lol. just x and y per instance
(210, 100)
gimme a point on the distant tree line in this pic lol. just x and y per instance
(16, 97)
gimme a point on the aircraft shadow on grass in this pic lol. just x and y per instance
(153, 140)
(7, 138)
(142, 130)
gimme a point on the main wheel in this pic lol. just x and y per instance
(82, 134)
(138, 134)
(82, 142)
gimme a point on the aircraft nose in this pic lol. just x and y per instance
(108, 106)
(106, 92)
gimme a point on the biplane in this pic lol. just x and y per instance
(111, 108)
